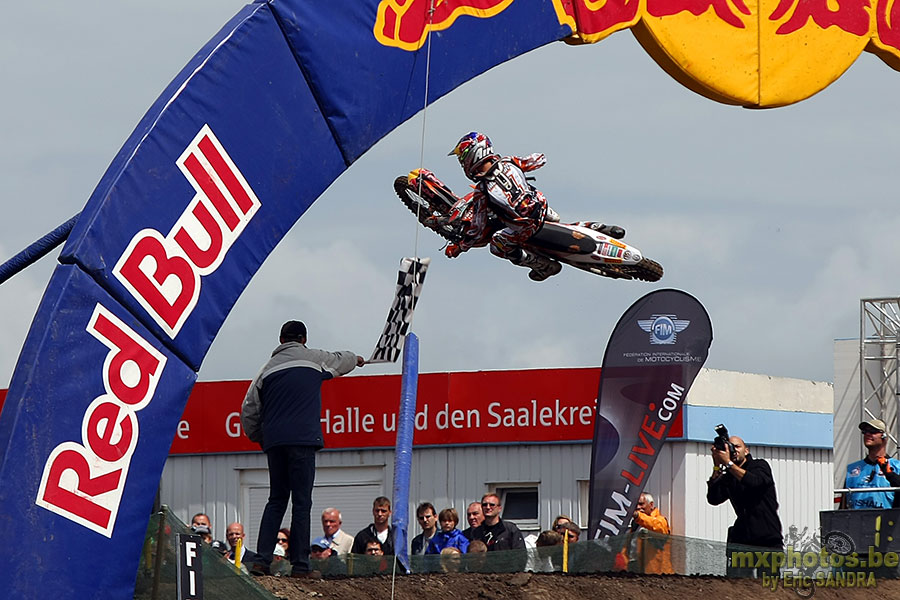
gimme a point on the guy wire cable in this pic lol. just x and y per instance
(415, 281)
(418, 212)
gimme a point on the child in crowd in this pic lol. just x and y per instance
(449, 536)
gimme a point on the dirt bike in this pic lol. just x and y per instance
(581, 244)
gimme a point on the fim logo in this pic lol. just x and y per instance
(663, 329)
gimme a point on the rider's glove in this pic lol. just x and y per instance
(453, 250)
(885, 464)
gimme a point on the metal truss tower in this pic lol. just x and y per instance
(879, 353)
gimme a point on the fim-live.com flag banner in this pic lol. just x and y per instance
(409, 286)
(654, 353)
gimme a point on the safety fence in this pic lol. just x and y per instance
(642, 552)
(157, 577)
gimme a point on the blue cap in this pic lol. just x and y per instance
(321, 542)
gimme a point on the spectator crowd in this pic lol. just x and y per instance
(737, 477)
(440, 536)
(280, 412)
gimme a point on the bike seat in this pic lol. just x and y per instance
(554, 236)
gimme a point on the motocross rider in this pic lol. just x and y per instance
(501, 187)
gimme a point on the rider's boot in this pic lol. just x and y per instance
(552, 216)
(552, 268)
(541, 268)
(613, 231)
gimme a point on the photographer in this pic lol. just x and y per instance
(747, 482)
(876, 470)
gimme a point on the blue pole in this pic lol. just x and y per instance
(406, 426)
(37, 250)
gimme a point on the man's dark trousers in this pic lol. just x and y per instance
(292, 471)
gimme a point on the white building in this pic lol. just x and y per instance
(537, 463)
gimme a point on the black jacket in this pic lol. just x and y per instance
(502, 536)
(419, 544)
(283, 405)
(468, 531)
(361, 538)
(754, 502)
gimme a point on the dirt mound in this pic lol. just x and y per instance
(527, 586)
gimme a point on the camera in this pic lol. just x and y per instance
(722, 441)
(220, 547)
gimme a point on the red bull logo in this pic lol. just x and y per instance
(763, 53)
(729, 11)
(886, 42)
(406, 23)
(84, 481)
(852, 16)
(596, 20)
(755, 53)
(164, 272)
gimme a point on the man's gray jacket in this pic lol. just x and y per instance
(283, 405)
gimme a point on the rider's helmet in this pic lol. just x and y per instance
(471, 151)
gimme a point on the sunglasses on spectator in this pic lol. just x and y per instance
(489, 504)
(282, 540)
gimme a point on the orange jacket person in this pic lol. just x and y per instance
(651, 553)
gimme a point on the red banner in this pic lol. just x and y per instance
(483, 407)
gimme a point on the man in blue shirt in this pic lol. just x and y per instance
(876, 470)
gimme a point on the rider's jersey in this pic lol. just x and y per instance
(506, 192)
(863, 474)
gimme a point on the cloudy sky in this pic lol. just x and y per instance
(778, 221)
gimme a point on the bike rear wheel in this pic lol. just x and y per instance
(647, 270)
(430, 207)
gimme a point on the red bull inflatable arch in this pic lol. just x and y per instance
(256, 126)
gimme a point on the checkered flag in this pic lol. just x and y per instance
(409, 286)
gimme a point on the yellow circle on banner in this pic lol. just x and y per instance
(755, 53)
